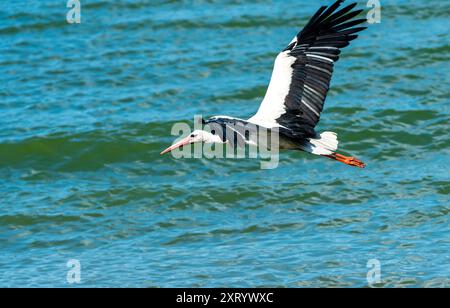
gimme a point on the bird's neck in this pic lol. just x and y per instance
(214, 139)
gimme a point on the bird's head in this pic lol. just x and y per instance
(195, 137)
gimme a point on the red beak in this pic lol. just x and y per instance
(179, 144)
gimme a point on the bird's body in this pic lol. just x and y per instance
(297, 91)
(242, 133)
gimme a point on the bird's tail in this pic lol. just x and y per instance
(351, 161)
(326, 145)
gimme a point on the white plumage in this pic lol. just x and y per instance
(299, 85)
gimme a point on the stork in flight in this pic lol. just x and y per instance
(297, 90)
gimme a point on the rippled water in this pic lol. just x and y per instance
(86, 109)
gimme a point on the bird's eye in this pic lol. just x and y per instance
(192, 135)
(213, 132)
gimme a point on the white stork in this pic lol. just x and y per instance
(297, 90)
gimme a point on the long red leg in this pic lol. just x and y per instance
(351, 161)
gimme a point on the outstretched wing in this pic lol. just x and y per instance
(302, 72)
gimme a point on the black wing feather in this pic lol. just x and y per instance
(316, 49)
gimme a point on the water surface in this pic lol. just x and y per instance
(87, 108)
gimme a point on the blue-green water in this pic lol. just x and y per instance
(86, 109)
